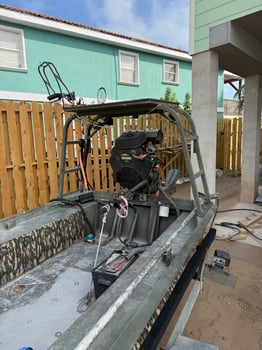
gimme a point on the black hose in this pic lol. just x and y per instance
(237, 227)
(244, 209)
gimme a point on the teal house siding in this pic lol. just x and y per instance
(208, 13)
(88, 59)
(86, 65)
(151, 79)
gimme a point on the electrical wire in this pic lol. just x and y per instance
(253, 234)
(122, 212)
(74, 203)
(107, 208)
(243, 209)
(82, 170)
(238, 231)
(237, 227)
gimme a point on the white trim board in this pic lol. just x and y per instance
(28, 96)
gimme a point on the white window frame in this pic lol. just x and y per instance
(136, 68)
(176, 64)
(20, 50)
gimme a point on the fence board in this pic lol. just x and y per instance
(89, 166)
(233, 145)
(220, 144)
(229, 144)
(96, 162)
(109, 149)
(239, 144)
(104, 159)
(115, 136)
(1, 208)
(51, 149)
(59, 123)
(15, 137)
(40, 153)
(29, 155)
(7, 188)
(71, 156)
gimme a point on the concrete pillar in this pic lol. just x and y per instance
(251, 138)
(204, 110)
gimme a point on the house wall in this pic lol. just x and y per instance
(86, 65)
(208, 13)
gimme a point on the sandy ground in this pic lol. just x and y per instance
(231, 318)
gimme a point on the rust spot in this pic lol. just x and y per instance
(18, 288)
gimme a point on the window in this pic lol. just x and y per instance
(128, 68)
(12, 49)
(170, 72)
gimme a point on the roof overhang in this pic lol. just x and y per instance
(231, 77)
(239, 44)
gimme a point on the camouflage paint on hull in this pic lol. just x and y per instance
(28, 250)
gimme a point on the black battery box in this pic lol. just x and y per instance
(110, 269)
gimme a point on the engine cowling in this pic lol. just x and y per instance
(134, 159)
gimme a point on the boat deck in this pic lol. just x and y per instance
(45, 305)
(41, 304)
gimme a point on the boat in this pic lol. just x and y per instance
(107, 270)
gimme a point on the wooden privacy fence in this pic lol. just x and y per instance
(31, 144)
(229, 144)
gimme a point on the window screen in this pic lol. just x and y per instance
(128, 67)
(170, 72)
(12, 55)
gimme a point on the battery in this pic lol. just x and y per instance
(110, 269)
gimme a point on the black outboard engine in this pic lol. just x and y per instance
(134, 159)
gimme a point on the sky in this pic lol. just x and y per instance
(161, 21)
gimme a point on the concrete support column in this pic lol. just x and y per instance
(204, 110)
(251, 138)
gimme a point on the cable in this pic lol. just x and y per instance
(230, 210)
(253, 234)
(122, 212)
(83, 153)
(237, 227)
(119, 233)
(244, 209)
(74, 203)
(231, 226)
(107, 208)
(82, 170)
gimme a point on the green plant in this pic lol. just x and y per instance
(239, 95)
(169, 96)
(187, 105)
